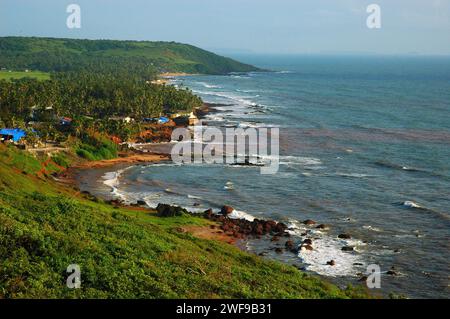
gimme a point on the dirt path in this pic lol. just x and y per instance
(212, 232)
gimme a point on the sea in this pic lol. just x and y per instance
(364, 149)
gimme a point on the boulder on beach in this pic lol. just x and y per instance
(308, 241)
(226, 210)
(165, 210)
(309, 222)
(344, 236)
(141, 202)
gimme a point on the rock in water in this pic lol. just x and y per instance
(306, 247)
(289, 244)
(345, 236)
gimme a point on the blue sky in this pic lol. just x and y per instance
(239, 26)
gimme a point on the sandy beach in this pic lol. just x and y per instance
(138, 158)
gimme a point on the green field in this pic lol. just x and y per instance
(7, 75)
(122, 252)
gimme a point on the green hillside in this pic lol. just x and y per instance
(122, 252)
(51, 54)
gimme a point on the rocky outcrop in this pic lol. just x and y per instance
(164, 210)
(242, 227)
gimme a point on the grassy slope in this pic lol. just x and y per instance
(123, 253)
(5, 75)
(166, 56)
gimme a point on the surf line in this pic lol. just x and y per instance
(240, 146)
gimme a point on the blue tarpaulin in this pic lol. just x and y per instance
(14, 134)
(163, 120)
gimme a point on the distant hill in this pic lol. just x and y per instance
(51, 54)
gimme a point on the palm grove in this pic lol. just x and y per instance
(89, 86)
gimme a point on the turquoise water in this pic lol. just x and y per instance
(365, 148)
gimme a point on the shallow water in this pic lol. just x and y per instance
(365, 148)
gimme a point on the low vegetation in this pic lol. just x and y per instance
(122, 252)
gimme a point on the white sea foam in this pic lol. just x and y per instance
(296, 160)
(354, 175)
(209, 86)
(237, 214)
(193, 196)
(284, 72)
(375, 229)
(411, 204)
(229, 185)
(111, 179)
(244, 124)
(243, 100)
(327, 248)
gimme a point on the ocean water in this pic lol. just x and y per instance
(365, 148)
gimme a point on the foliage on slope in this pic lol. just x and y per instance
(122, 252)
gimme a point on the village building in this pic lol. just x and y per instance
(65, 121)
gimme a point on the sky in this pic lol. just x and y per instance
(244, 26)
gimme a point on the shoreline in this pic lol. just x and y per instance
(70, 177)
(288, 241)
(275, 240)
